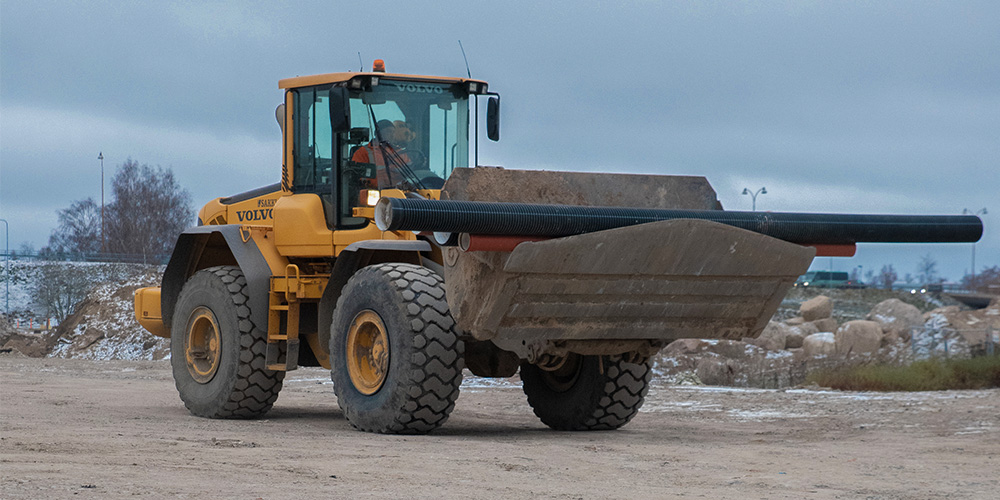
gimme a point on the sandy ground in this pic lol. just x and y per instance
(116, 429)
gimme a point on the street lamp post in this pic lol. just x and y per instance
(981, 211)
(6, 259)
(754, 194)
(100, 156)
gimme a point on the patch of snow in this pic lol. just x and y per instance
(475, 384)
(762, 415)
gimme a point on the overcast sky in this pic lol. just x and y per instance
(852, 107)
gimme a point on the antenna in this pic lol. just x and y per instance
(466, 59)
(361, 63)
(476, 100)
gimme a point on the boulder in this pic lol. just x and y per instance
(945, 311)
(890, 337)
(715, 371)
(684, 347)
(773, 336)
(818, 307)
(897, 317)
(733, 349)
(797, 320)
(794, 340)
(858, 337)
(825, 325)
(796, 334)
(819, 344)
(805, 329)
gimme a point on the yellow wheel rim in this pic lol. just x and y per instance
(367, 352)
(202, 345)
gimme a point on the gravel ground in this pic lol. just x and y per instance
(116, 429)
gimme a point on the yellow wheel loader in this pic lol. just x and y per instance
(382, 256)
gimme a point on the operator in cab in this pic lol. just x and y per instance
(388, 152)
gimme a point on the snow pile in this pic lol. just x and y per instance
(104, 327)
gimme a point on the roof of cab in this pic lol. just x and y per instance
(307, 81)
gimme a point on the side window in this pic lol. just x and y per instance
(313, 148)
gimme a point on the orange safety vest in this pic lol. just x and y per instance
(365, 155)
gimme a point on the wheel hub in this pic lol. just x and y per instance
(561, 375)
(202, 345)
(367, 352)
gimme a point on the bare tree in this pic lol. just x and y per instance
(870, 276)
(887, 276)
(927, 269)
(148, 212)
(26, 249)
(986, 281)
(79, 229)
(59, 289)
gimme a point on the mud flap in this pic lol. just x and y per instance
(658, 281)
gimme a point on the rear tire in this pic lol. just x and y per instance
(394, 349)
(216, 352)
(579, 397)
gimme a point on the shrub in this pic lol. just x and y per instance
(927, 375)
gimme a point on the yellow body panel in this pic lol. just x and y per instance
(256, 211)
(147, 311)
(300, 228)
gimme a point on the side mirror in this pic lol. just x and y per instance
(279, 114)
(340, 110)
(493, 119)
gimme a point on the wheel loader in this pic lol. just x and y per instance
(383, 256)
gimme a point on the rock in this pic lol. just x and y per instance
(825, 325)
(806, 329)
(945, 311)
(897, 317)
(715, 371)
(794, 340)
(733, 349)
(773, 336)
(797, 320)
(88, 338)
(819, 344)
(818, 307)
(683, 347)
(890, 337)
(858, 337)
(798, 354)
(797, 334)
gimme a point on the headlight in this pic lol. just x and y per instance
(370, 196)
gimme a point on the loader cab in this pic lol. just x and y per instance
(360, 132)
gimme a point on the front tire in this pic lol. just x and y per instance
(587, 393)
(395, 354)
(216, 351)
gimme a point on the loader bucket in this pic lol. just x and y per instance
(659, 281)
(664, 280)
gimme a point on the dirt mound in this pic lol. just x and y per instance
(104, 327)
(103, 324)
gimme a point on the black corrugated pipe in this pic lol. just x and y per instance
(521, 219)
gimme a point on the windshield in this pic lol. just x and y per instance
(414, 133)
